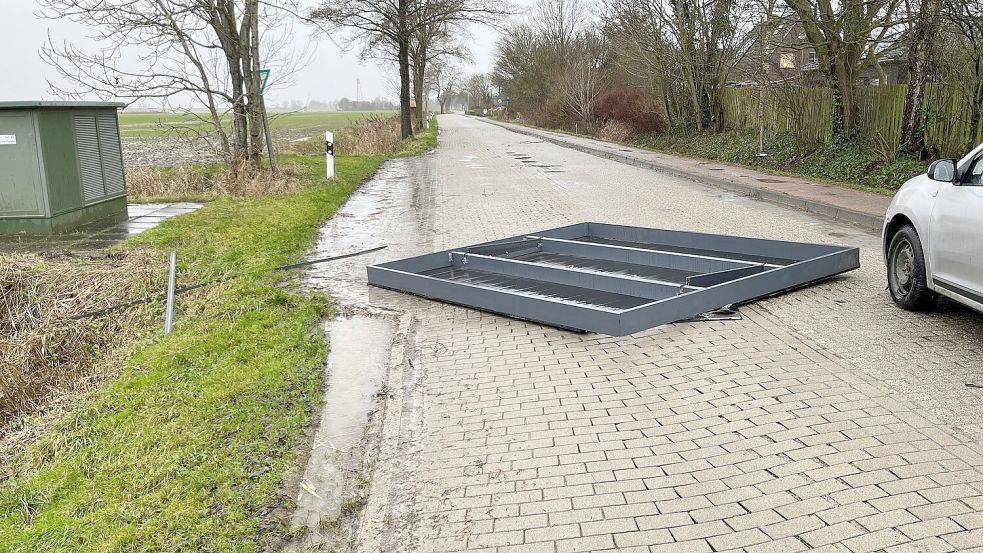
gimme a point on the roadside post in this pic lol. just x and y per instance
(329, 154)
(169, 310)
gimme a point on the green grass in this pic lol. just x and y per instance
(185, 449)
(146, 125)
(848, 165)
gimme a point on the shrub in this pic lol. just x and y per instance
(616, 131)
(634, 107)
(841, 162)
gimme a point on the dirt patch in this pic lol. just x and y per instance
(168, 151)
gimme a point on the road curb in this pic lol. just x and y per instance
(866, 221)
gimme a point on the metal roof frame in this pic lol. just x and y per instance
(613, 279)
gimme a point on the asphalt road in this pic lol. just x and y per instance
(826, 418)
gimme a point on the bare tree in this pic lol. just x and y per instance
(431, 43)
(551, 65)
(209, 52)
(444, 80)
(848, 36)
(692, 43)
(962, 61)
(523, 69)
(581, 75)
(559, 21)
(478, 89)
(390, 25)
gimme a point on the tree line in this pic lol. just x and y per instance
(568, 59)
(219, 54)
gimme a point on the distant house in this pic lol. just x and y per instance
(790, 58)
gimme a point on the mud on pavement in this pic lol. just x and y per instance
(363, 370)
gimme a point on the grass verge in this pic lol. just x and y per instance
(848, 165)
(185, 449)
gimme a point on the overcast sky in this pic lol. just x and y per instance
(331, 74)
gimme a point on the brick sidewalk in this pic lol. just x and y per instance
(857, 207)
(826, 419)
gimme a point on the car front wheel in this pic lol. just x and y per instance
(906, 276)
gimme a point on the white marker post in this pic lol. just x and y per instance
(329, 153)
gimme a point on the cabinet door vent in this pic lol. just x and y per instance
(100, 159)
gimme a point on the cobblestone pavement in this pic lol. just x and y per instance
(842, 204)
(826, 419)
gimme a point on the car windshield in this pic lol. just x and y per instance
(975, 175)
(971, 155)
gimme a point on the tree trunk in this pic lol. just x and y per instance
(419, 73)
(254, 83)
(418, 95)
(405, 119)
(240, 126)
(912, 123)
(845, 110)
(403, 60)
(222, 18)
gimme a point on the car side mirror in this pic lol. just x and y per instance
(942, 170)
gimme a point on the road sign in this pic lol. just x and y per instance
(265, 73)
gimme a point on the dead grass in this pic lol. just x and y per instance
(198, 181)
(616, 131)
(371, 136)
(44, 352)
(374, 135)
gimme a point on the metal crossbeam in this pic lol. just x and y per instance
(613, 279)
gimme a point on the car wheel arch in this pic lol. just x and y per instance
(898, 221)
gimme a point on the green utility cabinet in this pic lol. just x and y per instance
(61, 165)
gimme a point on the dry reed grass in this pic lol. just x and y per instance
(374, 135)
(616, 131)
(370, 136)
(187, 180)
(44, 352)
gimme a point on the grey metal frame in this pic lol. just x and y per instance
(710, 271)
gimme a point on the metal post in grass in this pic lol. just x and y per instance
(329, 154)
(169, 312)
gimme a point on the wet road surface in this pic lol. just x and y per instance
(826, 418)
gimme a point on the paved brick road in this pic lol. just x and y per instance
(826, 419)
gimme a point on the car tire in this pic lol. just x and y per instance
(906, 275)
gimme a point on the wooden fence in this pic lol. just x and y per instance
(807, 114)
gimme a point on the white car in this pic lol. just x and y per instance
(933, 235)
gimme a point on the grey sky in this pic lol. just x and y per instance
(330, 75)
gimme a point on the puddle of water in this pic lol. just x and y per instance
(100, 234)
(395, 208)
(355, 375)
(388, 210)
